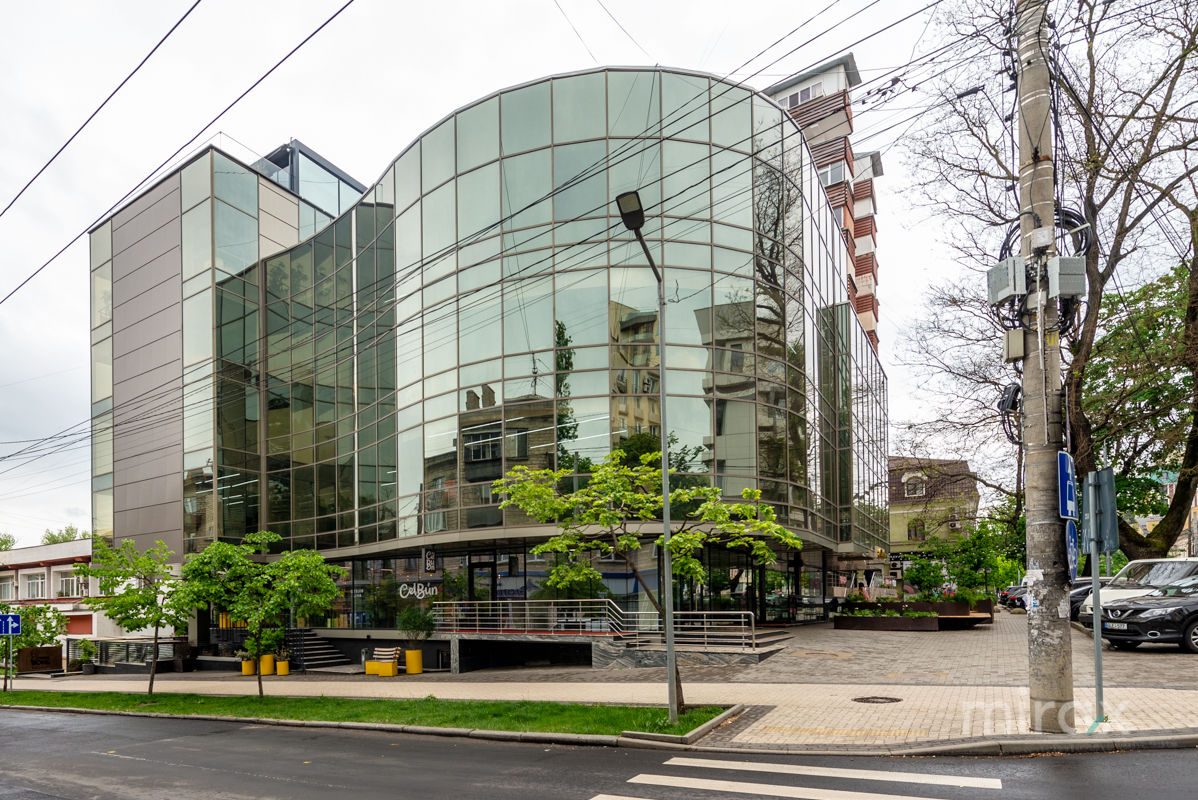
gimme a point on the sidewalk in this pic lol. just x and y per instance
(963, 689)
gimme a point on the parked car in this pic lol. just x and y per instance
(1139, 578)
(1016, 598)
(1080, 591)
(1005, 593)
(1167, 614)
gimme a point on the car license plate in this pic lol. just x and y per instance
(1115, 626)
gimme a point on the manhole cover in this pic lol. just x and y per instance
(877, 699)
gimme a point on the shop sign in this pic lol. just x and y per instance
(419, 590)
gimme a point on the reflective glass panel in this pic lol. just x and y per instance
(635, 107)
(525, 115)
(478, 134)
(102, 294)
(197, 327)
(436, 156)
(478, 201)
(101, 244)
(579, 107)
(580, 180)
(236, 237)
(196, 181)
(582, 308)
(439, 213)
(527, 180)
(684, 106)
(318, 186)
(197, 240)
(235, 184)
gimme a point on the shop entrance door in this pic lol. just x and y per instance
(482, 580)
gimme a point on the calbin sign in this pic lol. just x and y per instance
(1066, 486)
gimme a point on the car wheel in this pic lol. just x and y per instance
(1189, 639)
(1123, 644)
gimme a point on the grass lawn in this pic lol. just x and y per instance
(482, 714)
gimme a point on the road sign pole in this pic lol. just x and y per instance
(1095, 515)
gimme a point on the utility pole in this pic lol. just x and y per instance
(1050, 658)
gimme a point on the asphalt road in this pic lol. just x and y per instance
(45, 756)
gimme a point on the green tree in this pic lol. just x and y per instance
(237, 579)
(40, 625)
(927, 575)
(614, 514)
(68, 534)
(7, 542)
(137, 590)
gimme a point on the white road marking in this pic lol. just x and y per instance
(765, 789)
(617, 797)
(836, 772)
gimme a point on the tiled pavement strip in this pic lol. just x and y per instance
(951, 686)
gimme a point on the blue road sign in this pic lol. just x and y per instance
(1066, 486)
(10, 624)
(1071, 548)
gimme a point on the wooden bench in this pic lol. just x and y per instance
(384, 662)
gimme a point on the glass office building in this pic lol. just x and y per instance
(352, 369)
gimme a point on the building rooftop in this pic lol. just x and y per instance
(847, 61)
(945, 478)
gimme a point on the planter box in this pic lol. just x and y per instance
(842, 623)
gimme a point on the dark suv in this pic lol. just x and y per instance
(1167, 614)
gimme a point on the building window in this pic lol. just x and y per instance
(35, 587)
(811, 92)
(71, 586)
(833, 173)
(917, 530)
(483, 446)
(916, 487)
(6, 592)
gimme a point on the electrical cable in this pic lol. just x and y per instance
(99, 108)
(175, 154)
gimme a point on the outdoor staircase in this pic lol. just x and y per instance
(310, 651)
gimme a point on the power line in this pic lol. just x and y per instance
(173, 155)
(99, 108)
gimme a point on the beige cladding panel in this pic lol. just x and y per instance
(282, 207)
(149, 204)
(147, 368)
(278, 231)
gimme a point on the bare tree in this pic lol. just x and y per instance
(1126, 102)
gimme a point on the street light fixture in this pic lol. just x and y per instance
(633, 215)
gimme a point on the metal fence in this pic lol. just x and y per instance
(601, 618)
(135, 651)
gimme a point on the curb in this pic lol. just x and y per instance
(693, 736)
(1012, 746)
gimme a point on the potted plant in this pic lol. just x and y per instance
(282, 663)
(87, 656)
(415, 624)
(247, 662)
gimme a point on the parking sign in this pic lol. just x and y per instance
(1066, 486)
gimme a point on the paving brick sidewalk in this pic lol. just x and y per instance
(949, 686)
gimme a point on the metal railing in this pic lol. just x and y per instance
(705, 629)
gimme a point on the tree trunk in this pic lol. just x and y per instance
(153, 660)
(661, 612)
(258, 664)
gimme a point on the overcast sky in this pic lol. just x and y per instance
(358, 93)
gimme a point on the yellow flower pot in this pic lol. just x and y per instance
(247, 667)
(282, 668)
(413, 661)
(268, 664)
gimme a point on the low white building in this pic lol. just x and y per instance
(44, 575)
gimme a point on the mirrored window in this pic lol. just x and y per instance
(525, 115)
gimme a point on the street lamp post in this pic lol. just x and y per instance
(633, 215)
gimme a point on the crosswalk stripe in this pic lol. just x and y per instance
(765, 789)
(616, 797)
(836, 772)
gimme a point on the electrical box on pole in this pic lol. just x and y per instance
(1066, 276)
(1006, 281)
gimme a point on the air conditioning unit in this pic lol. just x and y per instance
(954, 525)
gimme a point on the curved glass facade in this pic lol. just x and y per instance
(482, 306)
